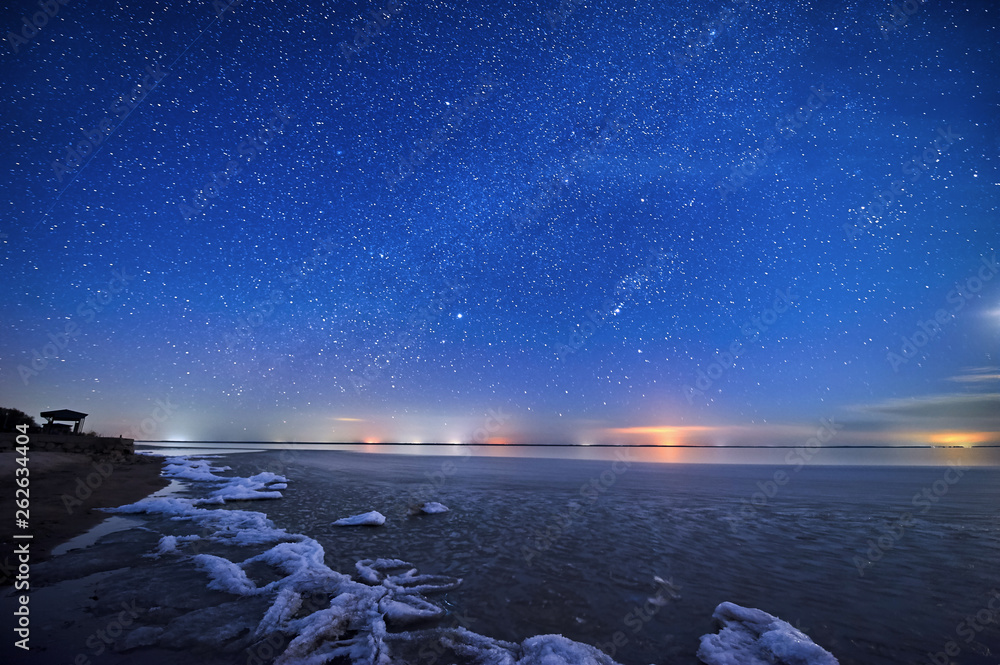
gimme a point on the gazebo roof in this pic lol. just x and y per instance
(64, 414)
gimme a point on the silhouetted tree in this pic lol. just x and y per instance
(11, 418)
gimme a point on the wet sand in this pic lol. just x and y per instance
(65, 492)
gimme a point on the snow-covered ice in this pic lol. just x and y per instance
(188, 469)
(379, 571)
(371, 518)
(260, 486)
(558, 650)
(252, 488)
(433, 508)
(754, 637)
(225, 575)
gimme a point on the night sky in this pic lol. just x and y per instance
(702, 222)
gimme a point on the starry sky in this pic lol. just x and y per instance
(706, 222)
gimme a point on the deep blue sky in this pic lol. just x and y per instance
(443, 202)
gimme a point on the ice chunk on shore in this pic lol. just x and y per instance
(405, 609)
(260, 486)
(170, 545)
(465, 646)
(754, 637)
(372, 518)
(377, 571)
(250, 489)
(238, 527)
(189, 469)
(225, 575)
(373, 571)
(433, 508)
(167, 545)
(559, 650)
(171, 507)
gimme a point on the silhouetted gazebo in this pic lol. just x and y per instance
(64, 415)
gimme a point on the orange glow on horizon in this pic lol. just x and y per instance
(663, 429)
(664, 435)
(962, 438)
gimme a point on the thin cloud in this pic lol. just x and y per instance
(977, 375)
(979, 406)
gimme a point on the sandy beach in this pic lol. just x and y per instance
(66, 491)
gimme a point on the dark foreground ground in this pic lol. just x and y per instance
(64, 492)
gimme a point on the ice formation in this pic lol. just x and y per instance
(372, 518)
(260, 486)
(188, 469)
(433, 508)
(754, 637)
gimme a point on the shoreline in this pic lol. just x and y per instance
(65, 492)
